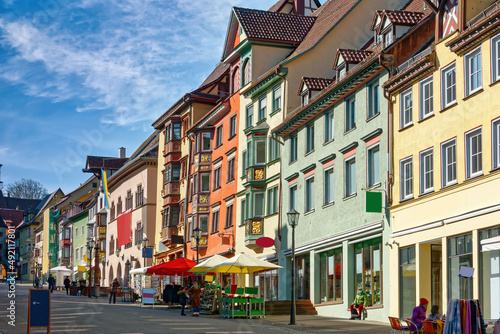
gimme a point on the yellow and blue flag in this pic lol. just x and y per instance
(105, 187)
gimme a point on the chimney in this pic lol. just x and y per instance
(121, 152)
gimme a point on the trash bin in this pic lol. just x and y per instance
(97, 290)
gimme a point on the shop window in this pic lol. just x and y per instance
(368, 264)
(331, 275)
(459, 254)
(407, 281)
(267, 282)
(489, 272)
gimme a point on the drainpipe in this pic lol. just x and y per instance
(277, 72)
(389, 128)
(186, 200)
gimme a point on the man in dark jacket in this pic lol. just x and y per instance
(52, 283)
(67, 284)
(114, 290)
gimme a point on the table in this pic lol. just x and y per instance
(128, 296)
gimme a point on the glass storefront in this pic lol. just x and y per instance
(268, 284)
(302, 287)
(331, 275)
(368, 265)
(436, 275)
(407, 281)
(459, 254)
(489, 275)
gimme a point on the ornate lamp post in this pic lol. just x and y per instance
(90, 247)
(144, 245)
(197, 235)
(293, 221)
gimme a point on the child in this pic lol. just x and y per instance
(435, 314)
(182, 299)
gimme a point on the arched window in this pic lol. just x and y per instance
(248, 72)
(236, 79)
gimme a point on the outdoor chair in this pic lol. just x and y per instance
(427, 327)
(411, 325)
(397, 326)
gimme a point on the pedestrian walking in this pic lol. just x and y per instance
(67, 284)
(37, 283)
(52, 283)
(194, 292)
(183, 296)
(114, 289)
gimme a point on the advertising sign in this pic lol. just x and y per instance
(39, 309)
(148, 296)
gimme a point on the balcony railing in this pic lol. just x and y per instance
(488, 12)
(407, 64)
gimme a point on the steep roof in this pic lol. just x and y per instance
(96, 162)
(315, 83)
(352, 56)
(272, 26)
(21, 203)
(220, 70)
(401, 17)
(327, 16)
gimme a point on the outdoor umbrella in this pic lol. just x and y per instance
(207, 264)
(178, 267)
(242, 264)
(59, 269)
(139, 270)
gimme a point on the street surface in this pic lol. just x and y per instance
(72, 314)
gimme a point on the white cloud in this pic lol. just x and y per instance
(129, 59)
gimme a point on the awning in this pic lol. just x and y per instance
(139, 270)
(490, 244)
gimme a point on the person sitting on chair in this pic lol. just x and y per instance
(360, 300)
(419, 314)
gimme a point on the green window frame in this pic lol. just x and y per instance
(249, 115)
(262, 107)
(272, 200)
(277, 98)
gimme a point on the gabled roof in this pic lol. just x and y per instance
(18, 203)
(96, 162)
(220, 70)
(278, 6)
(378, 15)
(314, 83)
(401, 18)
(272, 26)
(351, 56)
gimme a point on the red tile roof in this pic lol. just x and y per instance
(216, 75)
(352, 56)
(401, 17)
(315, 83)
(270, 26)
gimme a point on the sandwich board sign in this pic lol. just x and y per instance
(39, 309)
(148, 296)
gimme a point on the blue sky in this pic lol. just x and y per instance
(84, 77)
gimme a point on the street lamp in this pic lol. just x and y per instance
(90, 247)
(144, 245)
(293, 221)
(50, 255)
(197, 235)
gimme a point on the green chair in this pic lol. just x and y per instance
(256, 307)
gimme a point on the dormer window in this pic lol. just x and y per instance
(305, 97)
(310, 87)
(341, 72)
(391, 24)
(388, 37)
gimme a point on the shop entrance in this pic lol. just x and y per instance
(302, 276)
(436, 275)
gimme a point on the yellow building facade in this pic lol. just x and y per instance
(446, 167)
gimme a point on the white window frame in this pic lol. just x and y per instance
(305, 97)
(495, 58)
(309, 194)
(495, 137)
(277, 98)
(329, 189)
(370, 168)
(445, 163)
(468, 59)
(329, 126)
(424, 111)
(426, 170)
(262, 107)
(406, 178)
(469, 155)
(406, 112)
(444, 86)
(347, 185)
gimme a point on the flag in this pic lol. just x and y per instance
(124, 227)
(105, 187)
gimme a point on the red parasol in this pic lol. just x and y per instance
(177, 267)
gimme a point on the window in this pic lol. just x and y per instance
(172, 173)
(204, 224)
(426, 171)
(426, 98)
(215, 221)
(350, 177)
(406, 115)
(293, 197)
(474, 153)
(309, 194)
(247, 68)
(236, 79)
(495, 58)
(276, 98)
(341, 71)
(260, 152)
(496, 143)
(243, 211)
(329, 126)
(258, 200)
(489, 267)
(262, 107)
(139, 196)
(274, 149)
(249, 116)
(373, 166)
(206, 139)
(473, 74)
(310, 138)
(217, 174)
(272, 200)
(350, 114)
(77, 254)
(128, 200)
(112, 211)
(305, 98)
(328, 195)
(244, 164)
(448, 89)
(293, 147)
(205, 182)
(229, 216)
(230, 170)
(232, 126)
(218, 140)
(76, 231)
(368, 264)
(331, 275)
(138, 234)
(374, 99)
(173, 219)
(388, 38)
(459, 254)
(449, 162)
(406, 171)
(407, 277)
